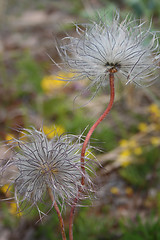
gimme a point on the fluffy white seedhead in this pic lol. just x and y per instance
(126, 48)
(44, 164)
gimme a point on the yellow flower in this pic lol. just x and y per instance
(114, 190)
(138, 151)
(13, 210)
(9, 137)
(54, 82)
(123, 143)
(124, 158)
(5, 189)
(130, 147)
(128, 143)
(125, 153)
(143, 127)
(129, 191)
(155, 141)
(53, 130)
(49, 83)
(154, 109)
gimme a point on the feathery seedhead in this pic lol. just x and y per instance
(44, 164)
(123, 48)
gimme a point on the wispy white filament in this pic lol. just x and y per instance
(125, 46)
(47, 164)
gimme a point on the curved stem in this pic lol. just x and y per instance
(59, 215)
(111, 80)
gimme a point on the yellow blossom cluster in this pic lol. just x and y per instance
(116, 191)
(9, 137)
(5, 190)
(50, 131)
(155, 141)
(154, 126)
(52, 83)
(154, 118)
(53, 130)
(143, 127)
(154, 110)
(13, 210)
(129, 149)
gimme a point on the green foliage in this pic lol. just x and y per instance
(149, 230)
(29, 75)
(147, 8)
(105, 138)
(54, 108)
(50, 229)
(91, 226)
(60, 111)
(137, 173)
(106, 11)
(9, 220)
(76, 122)
(77, 6)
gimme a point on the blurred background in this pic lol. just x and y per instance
(128, 195)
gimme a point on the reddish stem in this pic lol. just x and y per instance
(60, 220)
(111, 80)
(59, 215)
(71, 219)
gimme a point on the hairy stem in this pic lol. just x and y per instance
(111, 80)
(59, 215)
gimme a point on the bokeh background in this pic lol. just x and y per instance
(128, 195)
